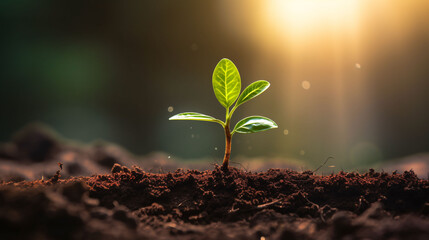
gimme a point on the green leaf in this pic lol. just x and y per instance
(252, 91)
(254, 124)
(195, 117)
(226, 82)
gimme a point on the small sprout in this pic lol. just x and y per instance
(227, 87)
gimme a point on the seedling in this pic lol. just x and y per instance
(227, 86)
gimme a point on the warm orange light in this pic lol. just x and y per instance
(329, 59)
(306, 16)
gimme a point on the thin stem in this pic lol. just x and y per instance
(228, 137)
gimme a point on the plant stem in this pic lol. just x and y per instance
(228, 137)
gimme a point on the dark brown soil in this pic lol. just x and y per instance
(40, 199)
(278, 204)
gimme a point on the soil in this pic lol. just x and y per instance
(131, 203)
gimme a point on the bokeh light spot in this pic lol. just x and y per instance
(306, 85)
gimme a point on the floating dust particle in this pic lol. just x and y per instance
(192, 135)
(190, 128)
(357, 65)
(285, 132)
(216, 148)
(332, 166)
(169, 157)
(302, 152)
(306, 85)
(170, 109)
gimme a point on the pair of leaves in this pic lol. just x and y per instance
(250, 124)
(227, 86)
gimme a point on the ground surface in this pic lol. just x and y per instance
(278, 204)
(34, 151)
(155, 201)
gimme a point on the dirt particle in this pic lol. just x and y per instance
(116, 168)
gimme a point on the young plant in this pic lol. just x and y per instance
(227, 86)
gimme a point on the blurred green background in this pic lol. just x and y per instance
(349, 79)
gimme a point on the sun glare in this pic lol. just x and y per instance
(307, 16)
